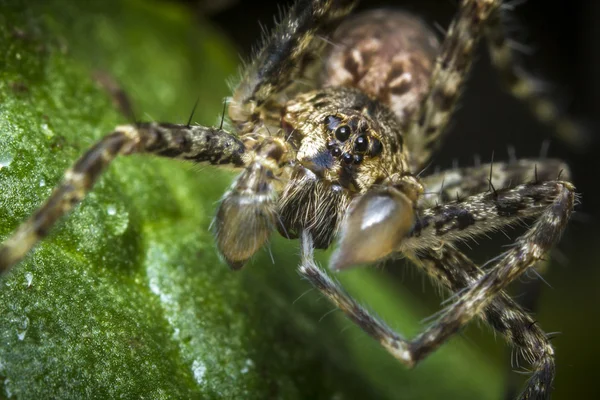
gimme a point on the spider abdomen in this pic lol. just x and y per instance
(387, 54)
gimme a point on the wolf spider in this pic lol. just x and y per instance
(332, 136)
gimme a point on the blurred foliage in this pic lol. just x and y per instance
(127, 297)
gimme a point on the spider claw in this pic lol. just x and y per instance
(374, 227)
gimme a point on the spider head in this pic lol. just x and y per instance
(349, 149)
(344, 137)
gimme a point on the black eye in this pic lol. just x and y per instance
(376, 148)
(336, 152)
(357, 159)
(342, 133)
(348, 159)
(361, 144)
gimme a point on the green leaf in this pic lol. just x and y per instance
(127, 297)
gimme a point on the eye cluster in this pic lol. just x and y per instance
(362, 144)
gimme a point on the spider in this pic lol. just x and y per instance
(333, 139)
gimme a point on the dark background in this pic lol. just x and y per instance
(564, 39)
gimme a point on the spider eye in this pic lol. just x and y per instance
(348, 159)
(361, 144)
(342, 133)
(376, 147)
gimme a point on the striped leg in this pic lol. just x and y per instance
(494, 210)
(456, 272)
(459, 183)
(280, 60)
(377, 329)
(194, 143)
(448, 79)
(527, 250)
(523, 87)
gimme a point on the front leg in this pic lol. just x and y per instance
(373, 326)
(528, 249)
(492, 211)
(458, 183)
(456, 272)
(193, 143)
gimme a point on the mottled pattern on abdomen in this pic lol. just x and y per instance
(387, 54)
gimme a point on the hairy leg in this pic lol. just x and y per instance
(458, 183)
(448, 79)
(466, 218)
(523, 87)
(525, 252)
(456, 272)
(401, 210)
(528, 249)
(279, 60)
(373, 326)
(193, 143)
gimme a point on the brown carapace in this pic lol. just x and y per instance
(333, 123)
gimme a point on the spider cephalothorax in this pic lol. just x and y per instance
(332, 138)
(347, 143)
(345, 137)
